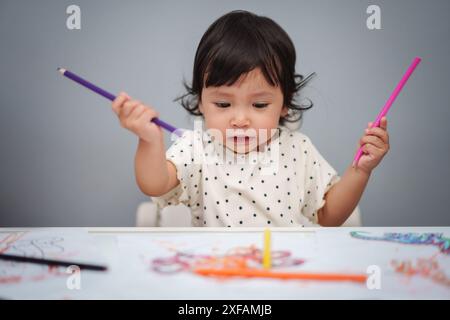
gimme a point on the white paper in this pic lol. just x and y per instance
(131, 260)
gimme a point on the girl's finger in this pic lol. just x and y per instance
(123, 93)
(370, 150)
(365, 149)
(383, 123)
(373, 150)
(137, 112)
(146, 116)
(118, 102)
(128, 107)
(373, 140)
(378, 132)
(150, 111)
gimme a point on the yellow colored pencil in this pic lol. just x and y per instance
(267, 263)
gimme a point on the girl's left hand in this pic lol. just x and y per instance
(375, 145)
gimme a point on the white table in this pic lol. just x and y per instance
(131, 256)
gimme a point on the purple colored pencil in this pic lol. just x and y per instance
(111, 97)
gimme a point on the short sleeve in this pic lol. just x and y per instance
(319, 177)
(181, 154)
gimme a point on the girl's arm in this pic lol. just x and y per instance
(154, 174)
(343, 197)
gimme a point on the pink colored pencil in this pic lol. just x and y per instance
(390, 101)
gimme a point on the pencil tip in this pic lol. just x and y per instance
(61, 70)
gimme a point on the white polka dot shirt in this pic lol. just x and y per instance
(281, 186)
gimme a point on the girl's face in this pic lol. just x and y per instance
(246, 114)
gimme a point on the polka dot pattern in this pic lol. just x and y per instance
(282, 186)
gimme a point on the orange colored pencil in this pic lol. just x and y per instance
(258, 273)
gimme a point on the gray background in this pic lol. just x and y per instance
(65, 161)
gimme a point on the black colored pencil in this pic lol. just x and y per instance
(51, 262)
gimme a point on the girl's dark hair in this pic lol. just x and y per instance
(237, 43)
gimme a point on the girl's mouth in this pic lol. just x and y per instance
(241, 140)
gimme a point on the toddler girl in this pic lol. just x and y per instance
(242, 166)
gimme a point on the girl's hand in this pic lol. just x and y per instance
(375, 145)
(136, 117)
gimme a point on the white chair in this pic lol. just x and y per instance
(179, 216)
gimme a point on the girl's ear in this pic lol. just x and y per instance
(284, 111)
(200, 107)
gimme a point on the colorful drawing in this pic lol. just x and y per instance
(239, 257)
(432, 239)
(428, 268)
(39, 247)
(8, 240)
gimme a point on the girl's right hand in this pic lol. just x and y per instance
(136, 117)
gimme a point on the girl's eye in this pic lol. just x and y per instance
(222, 104)
(260, 105)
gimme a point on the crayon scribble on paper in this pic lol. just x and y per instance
(424, 267)
(42, 247)
(431, 239)
(239, 257)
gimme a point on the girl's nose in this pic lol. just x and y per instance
(240, 120)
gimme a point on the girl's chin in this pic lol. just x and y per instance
(242, 149)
